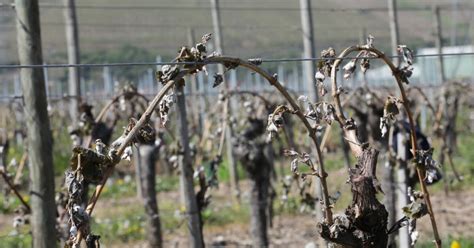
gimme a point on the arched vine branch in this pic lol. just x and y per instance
(175, 75)
(350, 133)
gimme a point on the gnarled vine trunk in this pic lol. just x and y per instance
(364, 223)
(146, 157)
(259, 173)
(251, 152)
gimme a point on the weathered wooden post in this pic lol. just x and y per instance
(234, 180)
(43, 219)
(72, 39)
(192, 212)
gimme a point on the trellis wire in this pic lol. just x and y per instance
(201, 63)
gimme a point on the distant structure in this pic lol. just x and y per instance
(455, 67)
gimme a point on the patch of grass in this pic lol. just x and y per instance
(223, 174)
(167, 183)
(462, 159)
(127, 227)
(16, 241)
(219, 216)
(121, 188)
(448, 242)
(10, 203)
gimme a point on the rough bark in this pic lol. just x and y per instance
(251, 153)
(43, 219)
(146, 158)
(185, 166)
(365, 220)
(259, 173)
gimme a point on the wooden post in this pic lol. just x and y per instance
(439, 42)
(17, 85)
(46, 80)
(455, 21)
(402, 188)
(309, 51)
(394, 34)
(388, 186)
(43, 219)
(73, 55)
(108, 83)
(196, 111)
(138, 169)
(216, 23)
(234, 180)
(192, 211)
(296, 81)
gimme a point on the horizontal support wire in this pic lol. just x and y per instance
(202, 63)
(239, 8)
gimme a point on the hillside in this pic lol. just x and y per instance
(250, 28)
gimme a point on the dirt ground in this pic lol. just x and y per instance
(453, 214)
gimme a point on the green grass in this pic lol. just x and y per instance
(127, 227)
(462, 159)
(16, 241)
(447, 242)
(120, 188)
(10, 203)
(219, 216)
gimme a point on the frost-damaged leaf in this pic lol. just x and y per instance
(313, 113)
(92, 241)
(92, 164)
(390, 112)
(79, 216)
(405, 72)
(74, 184)
(165, 106)
(205, 38)
(329, 113)
(370, 41)
(417, 208)
(319, 76)
(349, 69)
(275, 121)
(364, 65)
(413, 211)
(324, 69)
(255, 61)
(167, 73)
(302, 98)
(424, 159)
(146, 133)
(390, 108)
(290, 153)
(303, 158)
(341, 90)
(218, 79)
(407, 54)
(127, 154)
(383, 126)
(325, 65)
